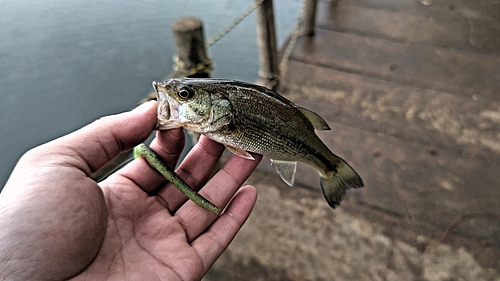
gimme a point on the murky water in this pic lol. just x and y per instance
(64, 64)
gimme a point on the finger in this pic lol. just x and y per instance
(195, 170)
(95, 145)
(212, 243)
(168, 145)
(219, 190)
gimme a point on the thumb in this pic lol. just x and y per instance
(98, 143)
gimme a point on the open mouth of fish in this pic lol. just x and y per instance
(168, 108)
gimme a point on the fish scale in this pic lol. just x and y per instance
(251, 118)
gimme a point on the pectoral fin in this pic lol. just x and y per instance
(240, 152)
(316, 120)
(286, 170)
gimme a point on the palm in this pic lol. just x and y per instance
(58, 223)
(142, 236)
(163, 235)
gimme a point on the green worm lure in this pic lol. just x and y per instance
(155, 160)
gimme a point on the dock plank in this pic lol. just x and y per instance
(436, 119)
(469, 9)
(401, 176)
(420, 151)
(466, 24)
(416, 65)
(439, 28)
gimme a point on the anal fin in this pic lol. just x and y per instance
(286, 170)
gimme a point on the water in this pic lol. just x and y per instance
(64, 64)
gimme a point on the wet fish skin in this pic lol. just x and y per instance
(247, 117)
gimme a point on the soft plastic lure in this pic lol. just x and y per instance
(155, 160)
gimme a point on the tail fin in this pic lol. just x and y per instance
(335, 183)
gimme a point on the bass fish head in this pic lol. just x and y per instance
(181, 104)
(195, 104)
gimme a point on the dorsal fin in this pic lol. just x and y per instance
(316, 120)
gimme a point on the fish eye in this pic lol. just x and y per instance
(185, 93)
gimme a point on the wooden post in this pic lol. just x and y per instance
(191, 59)
(266, 39)
(308, 18)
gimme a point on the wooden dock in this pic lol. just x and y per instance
(411, 90)
(412, 93)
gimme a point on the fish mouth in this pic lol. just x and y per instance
(168, 113)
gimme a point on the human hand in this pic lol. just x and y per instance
(57, 223)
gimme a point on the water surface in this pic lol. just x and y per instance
(64, 64)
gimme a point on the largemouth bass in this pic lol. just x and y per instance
(250, 118)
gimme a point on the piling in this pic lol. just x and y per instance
(266, 39)
(306, 27)
(191, 59)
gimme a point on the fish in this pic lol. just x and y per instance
(245, 118)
